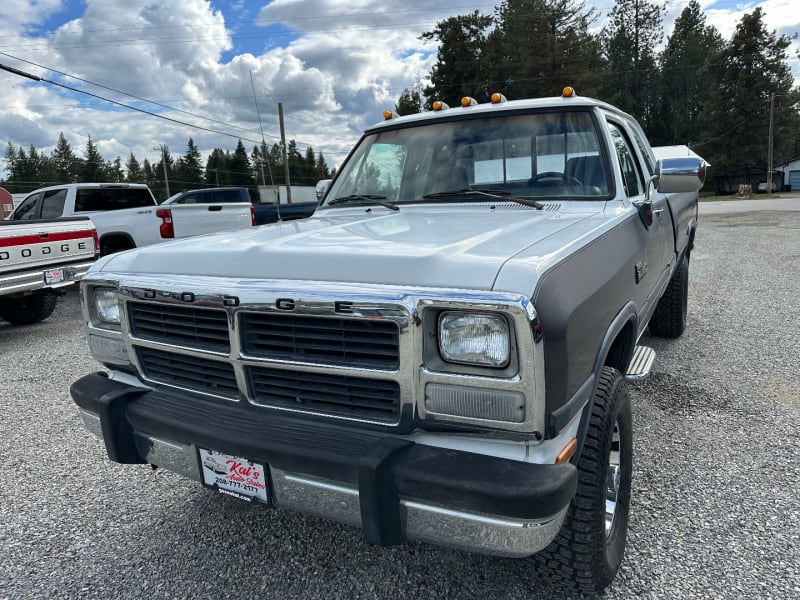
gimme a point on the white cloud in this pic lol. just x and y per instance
(21, 16)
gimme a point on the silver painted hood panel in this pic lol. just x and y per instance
(444, 246)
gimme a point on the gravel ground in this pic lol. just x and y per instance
(715, 514)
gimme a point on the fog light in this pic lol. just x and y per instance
(475, 403)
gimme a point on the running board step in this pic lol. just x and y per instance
(641, 363)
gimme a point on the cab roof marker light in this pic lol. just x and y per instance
(439, 105)
(498, 98)
(468, 101)
(568, 92)
(388, 115)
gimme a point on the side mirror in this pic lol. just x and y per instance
(680, 175)
(673, 176)
(322, 188)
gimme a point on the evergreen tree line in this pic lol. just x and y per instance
(702, 90)
(31, 169)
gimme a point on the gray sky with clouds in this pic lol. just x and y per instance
(335, 66)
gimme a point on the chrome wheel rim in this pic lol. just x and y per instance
(613, 479)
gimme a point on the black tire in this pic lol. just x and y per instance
(28, 310)
(669, 318)
(588, 550)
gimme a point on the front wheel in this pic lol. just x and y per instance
(28, 310)
(588, 550)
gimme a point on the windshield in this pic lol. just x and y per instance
(526, 155)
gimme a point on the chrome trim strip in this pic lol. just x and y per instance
(91, 421)
(34, 280)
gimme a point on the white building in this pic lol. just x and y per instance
(791, 174)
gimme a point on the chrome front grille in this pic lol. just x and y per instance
(348, 396)
(367, 343)
(172, 342)
(201, 374)
(205, 329)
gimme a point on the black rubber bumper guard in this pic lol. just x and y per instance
(382, 467)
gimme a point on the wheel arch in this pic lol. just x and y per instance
(117, 239)
(616, 351)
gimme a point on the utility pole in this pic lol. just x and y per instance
(285, 158)
(769, 150)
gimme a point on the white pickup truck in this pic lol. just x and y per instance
(127, 215)
(37, 260)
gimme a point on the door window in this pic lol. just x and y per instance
(28, 209)
(631, 171)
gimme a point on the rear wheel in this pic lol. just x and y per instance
(588, 550)
(669, 318)
(28, 310)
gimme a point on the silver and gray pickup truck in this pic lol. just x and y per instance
(38, 260)
(439, 353)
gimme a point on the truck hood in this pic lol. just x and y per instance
(453, 246)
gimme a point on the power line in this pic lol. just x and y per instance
(122, 104)
(129, 95)
(141, 110)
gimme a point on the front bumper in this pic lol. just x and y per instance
(31, 280)
(392, 488)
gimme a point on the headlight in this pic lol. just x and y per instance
(106, 305)
(474, 339)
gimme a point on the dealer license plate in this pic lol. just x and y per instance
(234, 476)
(52, 276)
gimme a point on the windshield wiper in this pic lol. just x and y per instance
(497, 194)
(371, 198)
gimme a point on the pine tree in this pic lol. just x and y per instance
(752, 66)
(188, 170)
(134, 171)
(114, 170)
(295, 160)
(322, 170)
(409, 103)
(687, 66)
(460, 68)
(540, 46)
(64, 161)
(216, 168)
(241, 172)
(147, 173)
(629, 44)
(92, 167)
(309, 168)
